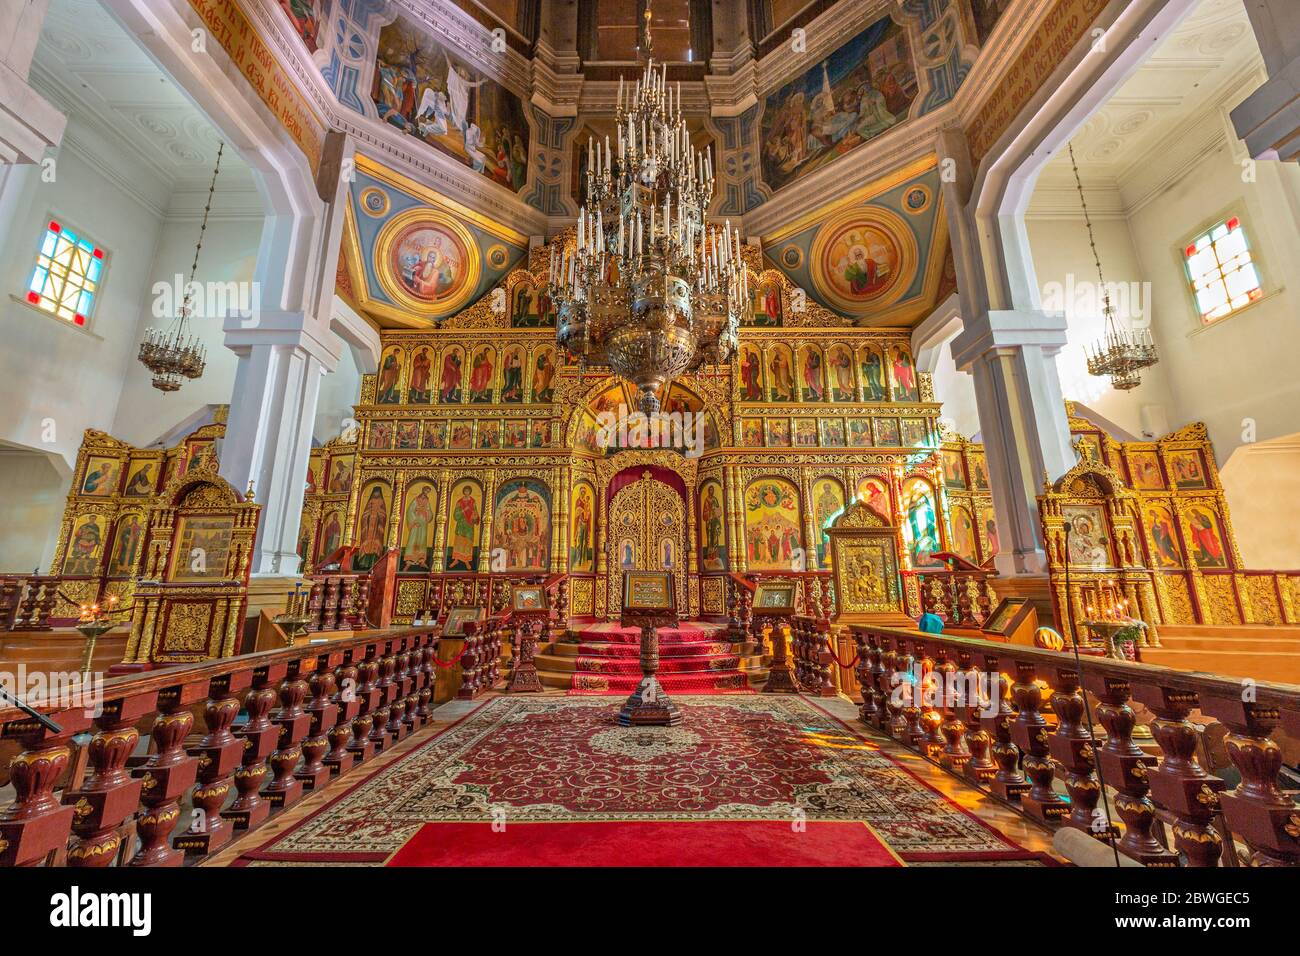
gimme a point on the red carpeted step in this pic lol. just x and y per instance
(669, 665)
(733, 682)
(693, 649)
(692, 661)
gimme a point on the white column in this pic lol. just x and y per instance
(1269, 119)
(1012, 358)
(269, 430)
(29, 124)
(1009, 346)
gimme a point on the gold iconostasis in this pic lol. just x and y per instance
(479, 450)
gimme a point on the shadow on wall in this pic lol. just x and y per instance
(35, 487)
(1262, 482)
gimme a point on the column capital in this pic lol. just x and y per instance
(1269, 119)
(1007, 329)
(292, 329)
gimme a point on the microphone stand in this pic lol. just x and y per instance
(30, 711)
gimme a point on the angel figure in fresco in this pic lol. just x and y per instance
(543, 376)
(421, 367)
(386, 388)
(1205, 541)
(904, 377)
(459, 86)
(465, 520)
(782, 377)
(872, 373)
(478, 159)
(419, 520)
(814, 389)
(451, 370)
(432, 116)
(373, 524)
(480, 378)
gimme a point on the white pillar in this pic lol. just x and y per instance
(1269, 119)
(29, 124)
(1012, 358)
(269, 431)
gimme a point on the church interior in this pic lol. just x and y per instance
(649, 433)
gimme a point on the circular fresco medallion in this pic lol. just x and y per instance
(427, 262)
(792, 257)
(863, 260)
(375, 202)
(917, 200)
(497, 256)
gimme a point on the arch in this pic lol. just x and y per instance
(1003, 186)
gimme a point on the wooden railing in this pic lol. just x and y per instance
(1171, 809)
(338, 601)
(27, 601)
(960, 595)
(310, 712)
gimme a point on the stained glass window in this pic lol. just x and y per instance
(1222, 271)
(69, 269)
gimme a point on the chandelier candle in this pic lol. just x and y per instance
(661, 293)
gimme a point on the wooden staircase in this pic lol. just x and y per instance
(1260, 651)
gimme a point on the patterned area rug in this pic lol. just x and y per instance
(520, 760)
(692, 660)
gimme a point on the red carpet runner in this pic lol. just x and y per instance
(693, 659)
(655, 843)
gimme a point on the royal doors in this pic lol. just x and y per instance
(647, 532)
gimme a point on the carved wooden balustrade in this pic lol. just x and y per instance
(960, 596)
(338, 601)
(27, 601)
(310, 712)
(810, 649)
(1171, 810)
(480, 658)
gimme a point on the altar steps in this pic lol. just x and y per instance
(703, 664)
(1270, 653)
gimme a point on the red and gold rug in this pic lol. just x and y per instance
(693, 659)
(519, 761)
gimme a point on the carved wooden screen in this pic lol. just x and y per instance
(646, 532)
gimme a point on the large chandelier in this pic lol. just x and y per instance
(649, 288)
(174, 354)
(1119, 353)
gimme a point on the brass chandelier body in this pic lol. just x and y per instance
(649, 288)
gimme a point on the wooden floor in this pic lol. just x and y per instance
(1013, 824)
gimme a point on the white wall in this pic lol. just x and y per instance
(1242, 369)
(229, 255)
(56, 379)
(1261, 482)
(1067, 277)
(31, 508)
